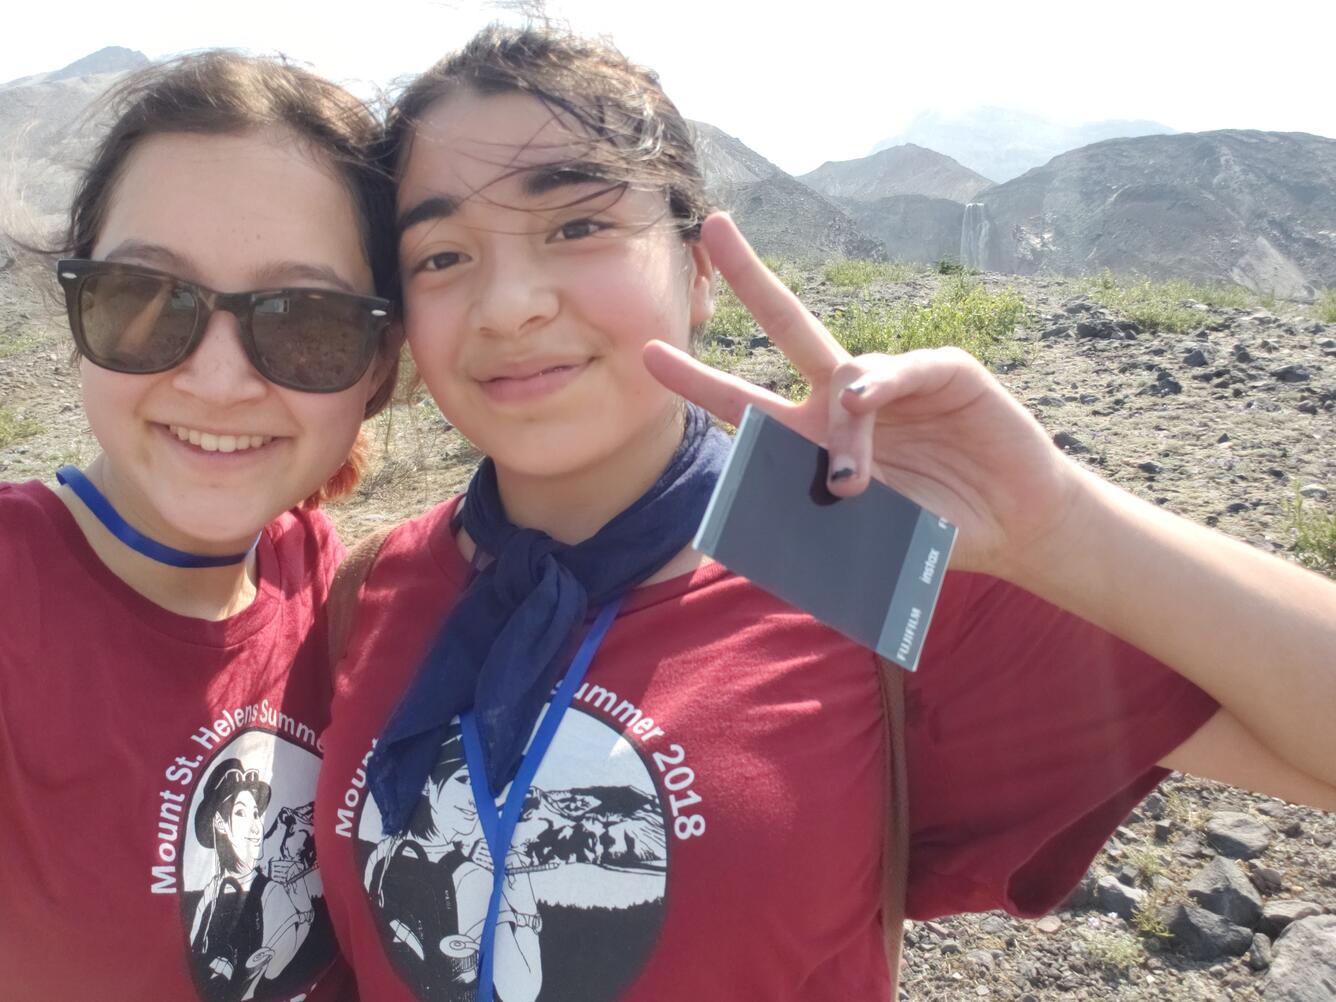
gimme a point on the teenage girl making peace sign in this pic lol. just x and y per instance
(697, 811)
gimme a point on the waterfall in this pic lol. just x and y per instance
(974, 232)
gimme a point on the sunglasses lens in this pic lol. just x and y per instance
(135, 323)
(314, 340)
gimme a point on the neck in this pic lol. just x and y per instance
(573, 506)
(212, 593)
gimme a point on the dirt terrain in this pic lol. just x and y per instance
(1224, 425)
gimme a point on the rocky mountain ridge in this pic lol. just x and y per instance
(1003, 143)
(898, 170)
(1257, 209)
(1231, 207)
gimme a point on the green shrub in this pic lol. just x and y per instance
(731, 319)
(949, 266)
(1326, 306)
(15, 427)
(962, 313)
(1164, 306)
(856, 274)
(1314, 536)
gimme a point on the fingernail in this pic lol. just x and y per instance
(858, 387)
(843, 470)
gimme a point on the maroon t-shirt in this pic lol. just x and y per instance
(157, 774)
(708, 822)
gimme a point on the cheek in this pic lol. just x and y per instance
(109, 400)
(330, 421)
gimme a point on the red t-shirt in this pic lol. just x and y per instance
(708, 823)
(157, 774)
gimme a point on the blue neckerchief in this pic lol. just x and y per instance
(509, 637)
(96, 502)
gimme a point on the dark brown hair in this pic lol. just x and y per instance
(637, 135)
(224, 93)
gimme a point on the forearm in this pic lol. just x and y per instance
(1257, 633)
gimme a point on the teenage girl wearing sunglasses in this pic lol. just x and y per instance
(224, 270)
(697, 812)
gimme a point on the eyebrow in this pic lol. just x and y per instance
(280, 273)
(271, 275)
(564, 174)
(152, 254)
(435, 207)
(536, 181)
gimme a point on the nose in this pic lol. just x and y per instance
(218, 371)
(518, 290)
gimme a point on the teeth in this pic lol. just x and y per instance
(219, 443)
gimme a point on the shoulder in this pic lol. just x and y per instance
(420, 550)
(306, 543)
(30, 525)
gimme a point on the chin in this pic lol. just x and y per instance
(221, 527)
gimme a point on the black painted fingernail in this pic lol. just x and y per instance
(858, 388)
(843, 473)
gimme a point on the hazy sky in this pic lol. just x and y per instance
(799, 89)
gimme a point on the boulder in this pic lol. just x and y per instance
(1238, 836)
(1303, 964)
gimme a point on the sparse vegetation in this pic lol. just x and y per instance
(1144, 858)
(1326, 306)
(948, 266)
(788, 273)
(16, 344)
(1314, 536)
(731, 320)
(855, 274)
(1165, 306)
(1146, 918)
(1115, 950)
(962, 313)
(15, 426)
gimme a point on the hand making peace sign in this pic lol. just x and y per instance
(933, 424)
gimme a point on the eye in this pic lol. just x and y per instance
(578, 229)
(440, 261)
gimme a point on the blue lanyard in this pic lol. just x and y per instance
(498, 824)
(96, 502)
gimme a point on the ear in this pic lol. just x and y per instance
(701, 291)
(385, 369)
(219, 825)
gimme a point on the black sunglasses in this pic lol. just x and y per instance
(139, 321)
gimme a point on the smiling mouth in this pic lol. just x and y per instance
(529, 387)
(210, 442)
(539, 374)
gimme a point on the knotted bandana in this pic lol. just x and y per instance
(510, 636)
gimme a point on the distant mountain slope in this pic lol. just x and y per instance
(899, 170)
(911, 227)
(779, 215)
(1256, 208)
(112, 59)
(44, 136)
(1002, 143)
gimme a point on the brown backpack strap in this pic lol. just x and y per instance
(895, 877)
(341, 605)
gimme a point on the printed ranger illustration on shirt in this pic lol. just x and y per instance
(584, 896)
(252, 900)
